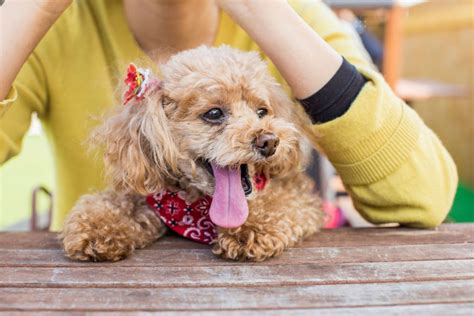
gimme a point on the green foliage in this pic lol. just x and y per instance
(463, 207)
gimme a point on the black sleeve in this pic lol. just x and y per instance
(336, 97)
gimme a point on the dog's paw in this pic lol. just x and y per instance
(108, 227)
(88, 244)
(250, 245)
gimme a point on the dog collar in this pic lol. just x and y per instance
(190, 220)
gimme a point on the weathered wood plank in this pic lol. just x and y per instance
(337, 272)
(345, 237)
(258, 298)
(243, 275)
(48, 240)
(455, 309)
(445, 234)
(204, 257)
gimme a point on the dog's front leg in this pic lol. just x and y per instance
(257, 240)
(108, 226)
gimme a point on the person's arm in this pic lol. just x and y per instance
(288, 41)
(23, 86)
(392, 164)
(23, 24)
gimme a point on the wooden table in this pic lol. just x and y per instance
(346, 271)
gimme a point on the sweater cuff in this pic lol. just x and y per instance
(373, 138)
(335, 98)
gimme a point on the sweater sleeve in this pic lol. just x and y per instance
(336, 97)
(393, 166)
(27, 95)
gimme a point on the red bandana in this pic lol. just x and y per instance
(189, 220)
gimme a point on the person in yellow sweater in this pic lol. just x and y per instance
(63, 60)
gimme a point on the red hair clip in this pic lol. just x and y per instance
(139, 81)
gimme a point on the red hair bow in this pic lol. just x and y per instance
(139, 81)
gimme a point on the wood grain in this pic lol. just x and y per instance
(339, 272)
(451, 309)
(344, 237)
(157, 257)
(259, 298)
(243, 275)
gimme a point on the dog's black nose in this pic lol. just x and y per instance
(266, 144)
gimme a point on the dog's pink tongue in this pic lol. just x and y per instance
(229, 207)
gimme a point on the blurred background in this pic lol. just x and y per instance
(423, 48)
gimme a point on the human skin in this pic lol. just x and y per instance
(288, 41)
(23, 24)
(272, 24)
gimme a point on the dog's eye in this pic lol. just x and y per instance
(262, 112)
(214, 115)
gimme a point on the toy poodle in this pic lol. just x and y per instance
(213, 149)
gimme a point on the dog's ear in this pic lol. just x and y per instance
(140, 153)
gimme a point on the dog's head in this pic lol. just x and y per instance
(217, 120)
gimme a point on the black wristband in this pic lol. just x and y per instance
(336, 97)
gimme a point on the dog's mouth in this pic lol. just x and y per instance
(244, 175)
(229, 206)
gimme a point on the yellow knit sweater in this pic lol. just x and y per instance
(394, 167)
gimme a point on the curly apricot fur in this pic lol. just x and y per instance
(157, 143)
